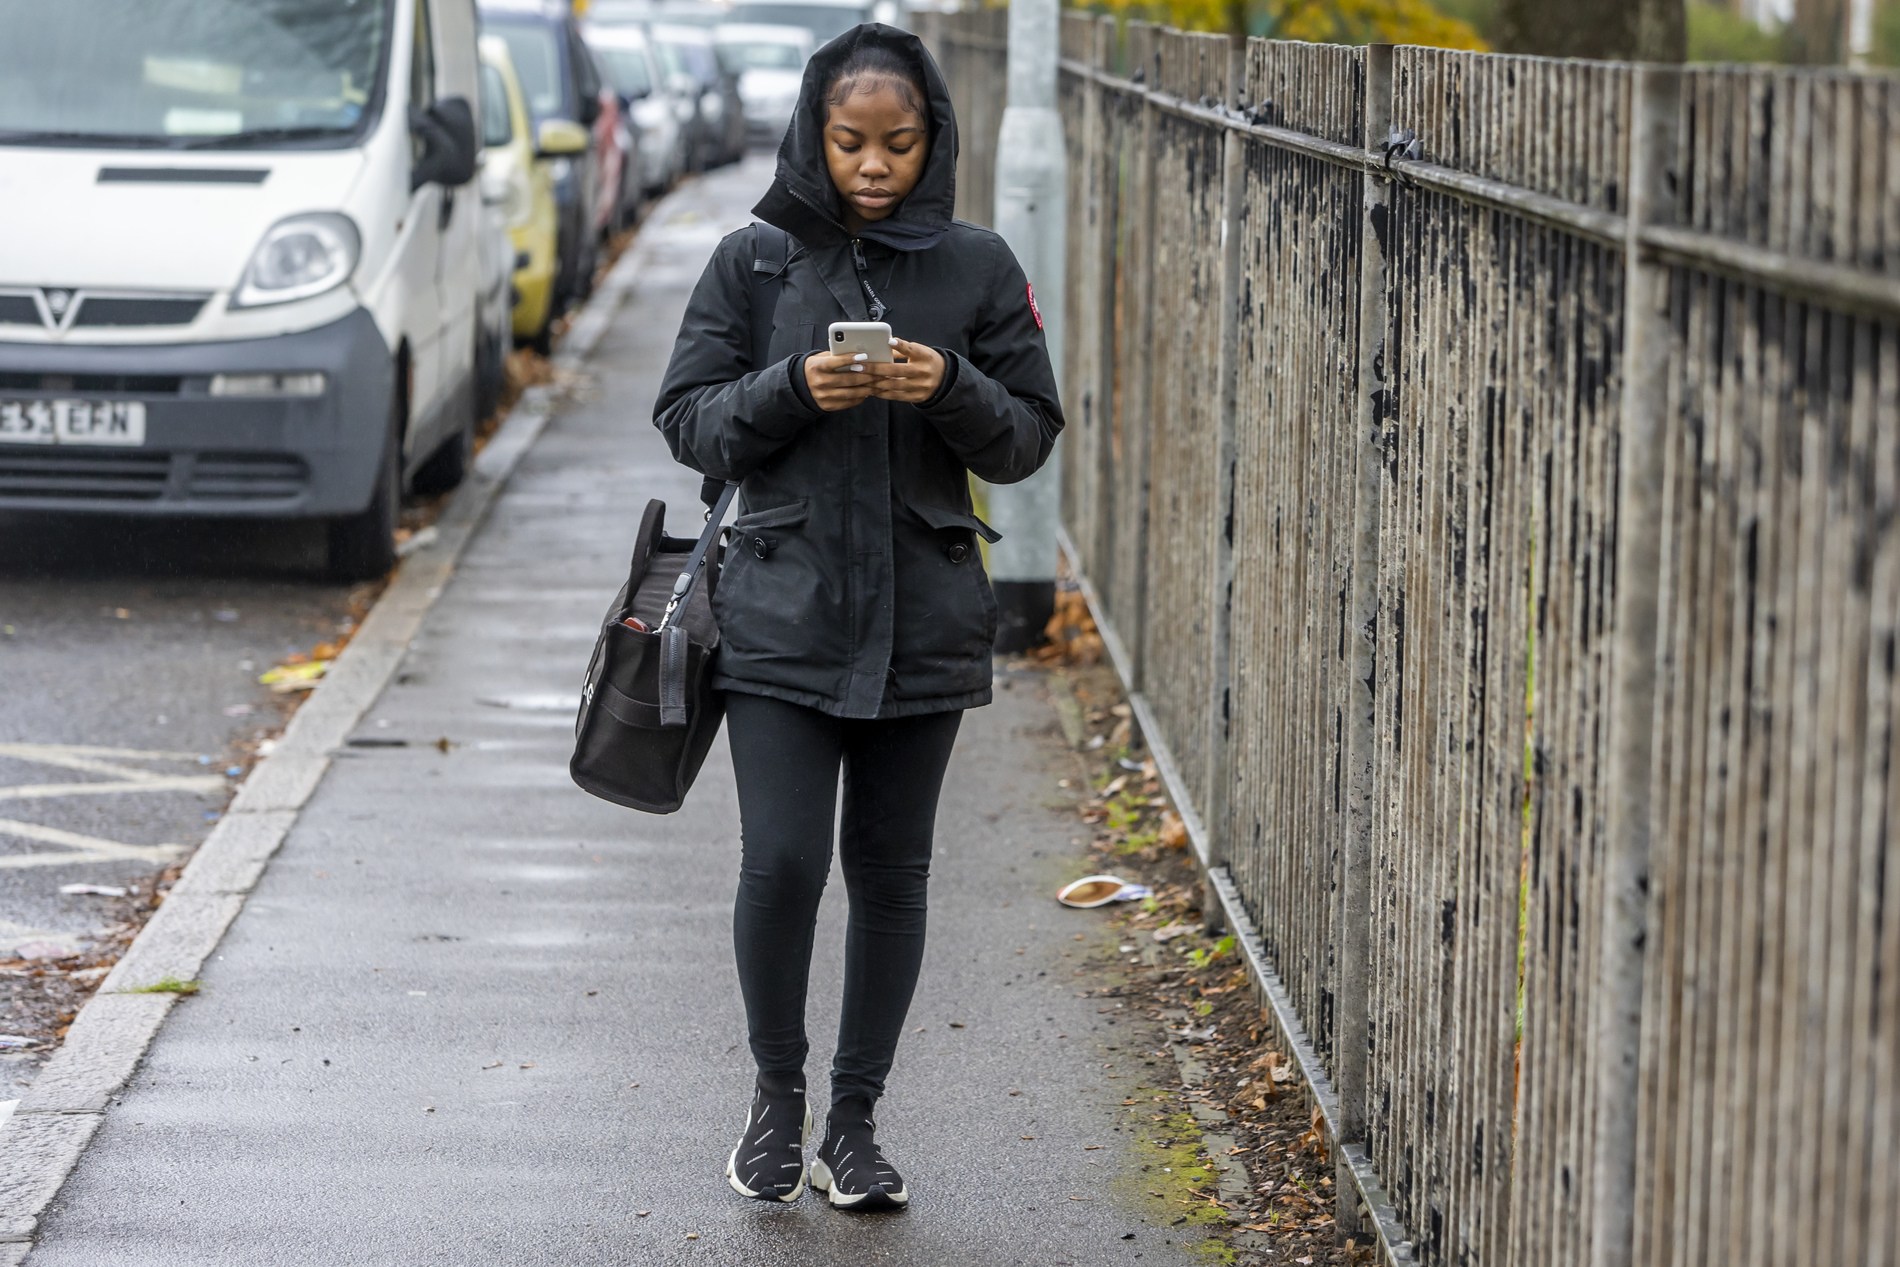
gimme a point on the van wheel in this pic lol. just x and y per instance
(362, 546)
(448, 466)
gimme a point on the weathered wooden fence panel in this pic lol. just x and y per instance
(1511, 598)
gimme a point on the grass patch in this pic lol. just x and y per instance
(164, 985)
(1173, 1179)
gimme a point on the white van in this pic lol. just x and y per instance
(239, 259)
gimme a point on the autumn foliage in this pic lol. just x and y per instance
(1325, 21)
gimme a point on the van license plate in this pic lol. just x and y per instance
(116, 422)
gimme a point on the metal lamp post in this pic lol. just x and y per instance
(1031, 214)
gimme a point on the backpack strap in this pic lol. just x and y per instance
(771, 248)
(769, 253)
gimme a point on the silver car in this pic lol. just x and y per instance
(634, 71)
(769, 62)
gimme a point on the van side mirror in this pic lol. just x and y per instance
(561, 138)
(447, 145)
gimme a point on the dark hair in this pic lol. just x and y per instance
(874, 65)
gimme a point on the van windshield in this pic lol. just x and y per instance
(189, 73)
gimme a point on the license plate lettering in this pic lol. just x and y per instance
(104, 422)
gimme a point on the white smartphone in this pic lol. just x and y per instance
(873, 338)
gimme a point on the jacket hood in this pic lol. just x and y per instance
(802, 200)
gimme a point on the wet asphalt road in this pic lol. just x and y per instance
(129, 657)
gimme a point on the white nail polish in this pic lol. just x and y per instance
(857, 369)
(862, 356)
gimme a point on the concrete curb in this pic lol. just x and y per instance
(55, 1120)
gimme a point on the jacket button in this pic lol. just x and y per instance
(760, 547)
(957, 551)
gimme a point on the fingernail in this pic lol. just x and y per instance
(862, 356)
(857, 369)
(895, 342)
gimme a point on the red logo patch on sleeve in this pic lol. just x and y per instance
(1033, 310)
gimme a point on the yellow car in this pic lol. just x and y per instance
(514, 173)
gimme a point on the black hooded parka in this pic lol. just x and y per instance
(854, 584)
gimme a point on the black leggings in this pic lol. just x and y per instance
(787, 759)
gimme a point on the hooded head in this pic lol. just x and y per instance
(804, 200)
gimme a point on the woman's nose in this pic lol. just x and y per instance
(874, 165)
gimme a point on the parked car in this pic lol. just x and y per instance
(825, 19)
(560, 83)
(642, 12)
(514, 164)
(692, 63)
(769, 62)
(615, 138)
(494, 305)
(247, 281)
(656, 113)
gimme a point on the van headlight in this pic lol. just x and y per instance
(301, 256)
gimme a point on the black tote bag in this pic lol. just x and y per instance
(648, 715)
(648, 712)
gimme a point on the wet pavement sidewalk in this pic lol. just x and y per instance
(471, 1015)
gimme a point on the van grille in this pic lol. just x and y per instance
(128, 311)
(83, 475)
(56, 384)
(94, 475)
(56, 309)
(246, 476)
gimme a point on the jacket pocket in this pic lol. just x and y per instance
(943, 517)
(789, 515)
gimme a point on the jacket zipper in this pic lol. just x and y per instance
(877, 305)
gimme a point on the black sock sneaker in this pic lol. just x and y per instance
(768, 1163)
(851, 1168)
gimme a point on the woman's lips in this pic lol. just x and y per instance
(873, 198)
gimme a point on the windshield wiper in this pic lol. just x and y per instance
(115, 139)
(258, 136)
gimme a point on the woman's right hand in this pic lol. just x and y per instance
(838, 380)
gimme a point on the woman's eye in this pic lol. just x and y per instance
(907, 149)
(848, 149)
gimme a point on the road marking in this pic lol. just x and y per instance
(30, 751)
(165, 783)
(76, 847)
(74, 761)
(79, 848)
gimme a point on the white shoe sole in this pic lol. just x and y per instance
(879, 1199)
(798, 1190)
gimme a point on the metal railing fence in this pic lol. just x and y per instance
(1500, 541)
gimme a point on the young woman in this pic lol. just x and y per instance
(856, 621)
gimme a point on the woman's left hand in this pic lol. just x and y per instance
(913, 379)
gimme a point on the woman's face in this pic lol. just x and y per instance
(875, 147)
